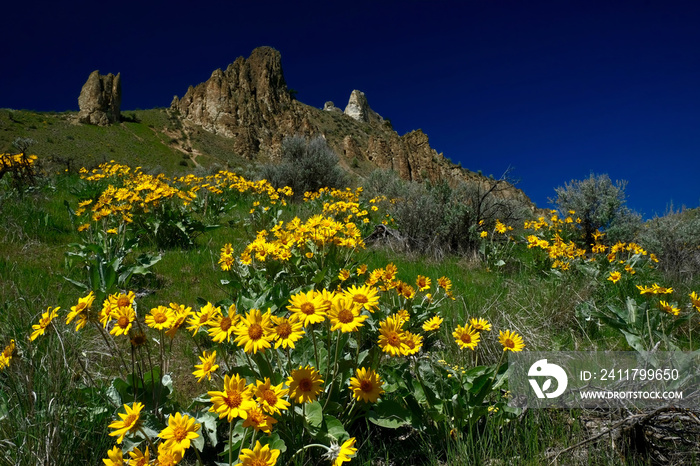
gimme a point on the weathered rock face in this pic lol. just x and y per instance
(100, 99)
(330, 107)
(248, 102)
(358, 109)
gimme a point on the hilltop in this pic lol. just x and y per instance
(237, 119)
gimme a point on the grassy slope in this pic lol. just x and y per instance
(36, 229)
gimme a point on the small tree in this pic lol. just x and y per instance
(599, 204)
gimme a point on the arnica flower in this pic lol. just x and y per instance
(80, 311)
(104, 316)
(366, 385)
(511, 341)
(480, 325)
(160, 318)
(695, 300)
(254, 332)
(445, 283)
(413, 342)
(615, 276)
(6, 355)
(304, 384)
(44, 322)
(365, 296)
(139, 458)
(207, 367)
(259, 455)
(115, 457)
(286, 331)
(310, 308)
(345, 315)
(167, 456)
(234, 400)
(124, 318)
(180, 313)
(340, 454)
(258, 420)
(201, 318)
(483, 234)
(129, 421)
(122, 299)
(222, 326)
(432, 324)
(423, 283)
(391, 338)
(270, 397)
(343, 275)
(402, 315)
(669, 308)
(180, 432)
(466, 337)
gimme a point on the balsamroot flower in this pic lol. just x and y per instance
(259, 455)
(366, 385)
(304, 384)
(179, 433)
(466, 337)
(129, 421)
(511, 341)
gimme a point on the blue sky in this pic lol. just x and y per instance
(555, 89)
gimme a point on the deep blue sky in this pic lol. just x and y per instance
(556, 89)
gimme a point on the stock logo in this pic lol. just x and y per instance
(541, 369)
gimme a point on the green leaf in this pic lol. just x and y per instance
(335, 429)
(314, 415)
(389, 414)
(276, 443)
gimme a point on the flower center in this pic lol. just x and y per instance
(366, 386)
(123, 321)
(79, 307)
(160, 317)
(234, 399)
(360, 298)
(255, 331)
(256, 417)
(346, 316)
(509, 343)
(203, 318)
(284, 329)
(410, 343)
(394, 339)
(225, 324)
(179, 433)
(308, 309)
(123, 301)
(305, 385)
(466, 338)
(259, 462)
(270, 397)
(130, 420)
(206, 366)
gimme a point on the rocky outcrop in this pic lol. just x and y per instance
(358, 109)
(249, 102)
(330, 107)
(100, 99)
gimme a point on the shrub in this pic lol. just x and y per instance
(675, 238)
(305, 166)
(439, 218)
(599, 204)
